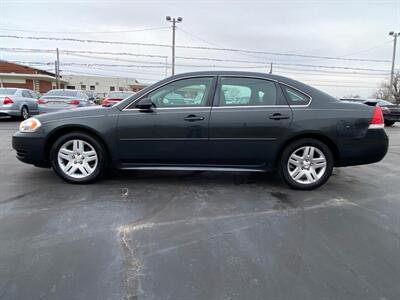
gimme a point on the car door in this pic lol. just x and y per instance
(29, 100)
(174, 131)
(249, 119)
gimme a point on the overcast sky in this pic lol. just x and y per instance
(346, 29)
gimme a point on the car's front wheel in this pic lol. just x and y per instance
(306, 164)
(78, 158)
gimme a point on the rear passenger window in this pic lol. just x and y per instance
(236, 91)
(26, 94)
(295, 97)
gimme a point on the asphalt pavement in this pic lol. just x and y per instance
(199, 235)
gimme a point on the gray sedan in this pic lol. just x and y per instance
(56, 100)
(19, 103)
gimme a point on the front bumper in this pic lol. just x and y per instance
(369, 149)
(31, 148)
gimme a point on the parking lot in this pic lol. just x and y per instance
(199, 235)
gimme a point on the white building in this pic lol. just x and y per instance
(102, 85)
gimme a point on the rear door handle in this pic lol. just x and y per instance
(192, 118)
(279, 116)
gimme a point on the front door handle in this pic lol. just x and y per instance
(192, 118)
(279, 116)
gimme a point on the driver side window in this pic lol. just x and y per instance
(182, 93)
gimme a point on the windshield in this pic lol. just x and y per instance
(7, 91)
(64, 93)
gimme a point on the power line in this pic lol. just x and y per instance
(87, 32)
(261, 63)
(92, 64)
(35, 50)
(192, 47)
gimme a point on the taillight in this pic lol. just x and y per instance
(74, 102)
(41, 101)
(377, 121)
(7, 100)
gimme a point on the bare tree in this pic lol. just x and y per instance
(384, 91)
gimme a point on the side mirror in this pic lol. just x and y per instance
(145, 103)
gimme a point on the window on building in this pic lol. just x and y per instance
(121, 89)
(112, 88)
(70, 87)
(92, 87)
(83, 87)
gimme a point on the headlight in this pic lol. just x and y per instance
(30, 125)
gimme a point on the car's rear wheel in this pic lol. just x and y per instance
(306, 164)
(24, 113)
(389, 123)
(78, 158)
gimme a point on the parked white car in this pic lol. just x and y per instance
(18, 103)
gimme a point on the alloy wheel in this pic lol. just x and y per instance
(25, 113)
(306, 165)
(77, 158)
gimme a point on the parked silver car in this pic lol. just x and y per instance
(56, 100)
(18, 103)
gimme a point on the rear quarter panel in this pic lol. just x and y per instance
(346, 125)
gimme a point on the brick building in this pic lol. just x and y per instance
(19, 76)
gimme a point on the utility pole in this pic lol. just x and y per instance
(58, 69)
(270, 68)
(173, 21)
(166, 66)
(395, 35)
(56, 72)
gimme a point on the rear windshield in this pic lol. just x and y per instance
(7, 91)
(122, 95)
(62, 93)
(383, 102)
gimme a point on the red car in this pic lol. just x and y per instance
(115, 97)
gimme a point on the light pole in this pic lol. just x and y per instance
(173, 21)
(395, 35)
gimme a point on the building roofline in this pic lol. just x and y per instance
(30, 76)
(21, 65)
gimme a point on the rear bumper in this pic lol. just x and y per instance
(30, 148)
(370, 149)
(45, 110)
(9, 112)
(392, 117)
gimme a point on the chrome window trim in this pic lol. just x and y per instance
(168, 82)
(250, 106)
(300, 105)
(216, 75)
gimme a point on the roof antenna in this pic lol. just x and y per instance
(270, 69)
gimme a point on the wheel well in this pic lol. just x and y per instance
(327, 141)
(61, 131)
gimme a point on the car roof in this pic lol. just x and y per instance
(302, 87)
(14, 88)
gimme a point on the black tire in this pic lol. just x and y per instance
(25, 113)
(389, 123)
(98, 147)
(291, 148)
